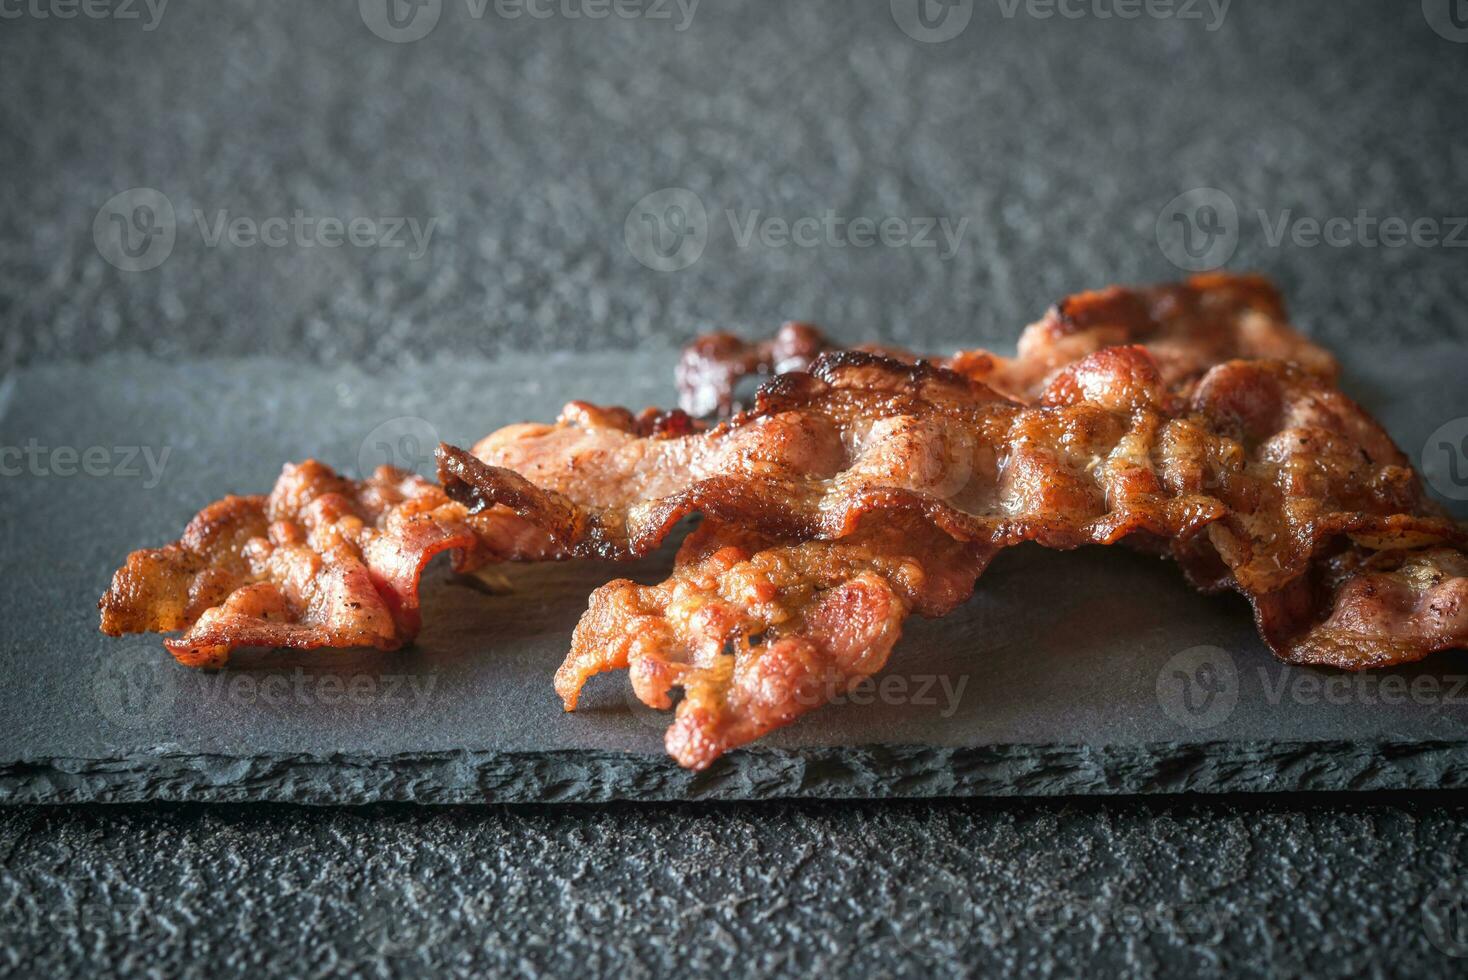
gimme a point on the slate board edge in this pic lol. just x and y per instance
(867, 773)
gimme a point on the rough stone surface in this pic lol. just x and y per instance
(1061, 141)
(1284, 887)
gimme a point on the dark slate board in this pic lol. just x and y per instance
(1059, 677)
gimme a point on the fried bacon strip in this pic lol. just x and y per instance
(322, 561)
(757, 633)
(1265, 480)
(860, 433)
(1188, 328)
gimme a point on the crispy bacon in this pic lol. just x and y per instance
(322, 561)
(1304, 506)
(757, 633)
(860, 433)
(861, 492)
(1187, 327)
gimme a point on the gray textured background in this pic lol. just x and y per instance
(530, 141)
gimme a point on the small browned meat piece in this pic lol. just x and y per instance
(712, 366)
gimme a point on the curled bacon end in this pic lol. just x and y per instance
(1360, 609)
(322, 561)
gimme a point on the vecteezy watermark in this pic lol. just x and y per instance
(1306, 687)
(309, 689)
(832, 230)
(1445, 917)
(1449, 18)
(134, 688)
(124, 462)
(389, 927)
(401, 21)
(669, 230)
(112, 912)
(1199, 230)
(406, 443)
(1445, 459)
(935, 21)
(1362, 230)
(942, 911)
(148, 12)
(1199, 687)
(932, 21)
(137, 688)
(1210, 12)
(1190, 921)
(942, 693)
(935, 911)
(137, 229)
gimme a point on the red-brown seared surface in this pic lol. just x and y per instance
(860, 433)
(322, 561)
(1188, 328)
(1265, 480)
(757, 633)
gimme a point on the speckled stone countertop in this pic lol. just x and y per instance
(522, 149)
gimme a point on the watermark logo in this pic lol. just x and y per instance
(1311, 687)
(1445, 918)
(404, 21)
(389, 928)
(934, 912)
(1211, 11)
(407, 695)
(139, 688)
(406, 443)
(657, 719)
(940, 693)
(591, 10)
(400, 21)
(932, 21)
(667, 230)
(1198, 230)
(1445, 459)
(90, 9)
(135, 688)
(1449, 18)
(136, 229)
(123, 462)
(1199, 687)
(1362, 230)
